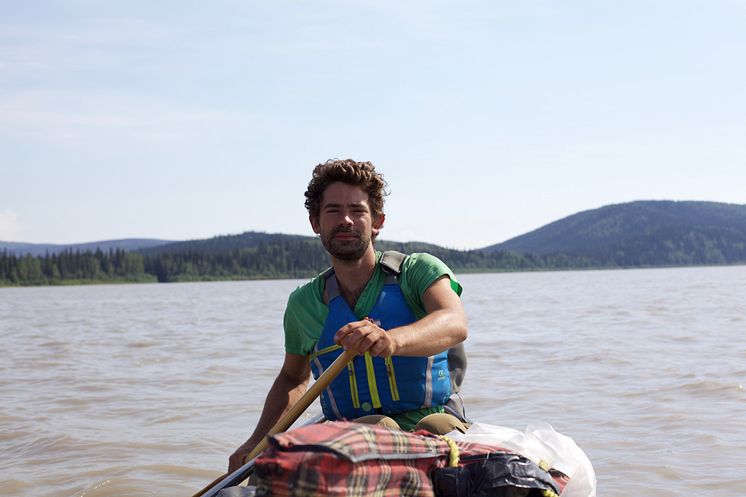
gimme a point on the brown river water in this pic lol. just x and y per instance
(144, 390)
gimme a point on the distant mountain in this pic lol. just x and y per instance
(222, 243)
(643, 233)
(252, 239)
(34, 249)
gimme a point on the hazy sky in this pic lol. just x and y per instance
(181, 120)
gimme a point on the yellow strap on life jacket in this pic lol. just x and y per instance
(372, 385)
(350, 373)
(392, 378)
(353, 385)
(325, 350)
(370, 371)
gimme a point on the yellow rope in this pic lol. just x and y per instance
(453, 455)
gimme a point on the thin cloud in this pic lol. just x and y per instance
(10, 228)
(69, 117)
(92, 31)
(54, 53)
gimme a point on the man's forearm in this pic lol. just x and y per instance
(434, 333)
(441, 328)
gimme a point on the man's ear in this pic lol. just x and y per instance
(378, 223)
(314, 223)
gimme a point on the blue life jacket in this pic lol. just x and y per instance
(375, 385)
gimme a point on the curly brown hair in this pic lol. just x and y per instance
(362, 174)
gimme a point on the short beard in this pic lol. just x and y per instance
(352, 250)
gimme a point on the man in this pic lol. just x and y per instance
(401, 320)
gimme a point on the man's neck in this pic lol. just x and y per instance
(353, 276)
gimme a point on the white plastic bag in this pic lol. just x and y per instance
(540, 444)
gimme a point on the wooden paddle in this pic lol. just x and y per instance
(286, 421)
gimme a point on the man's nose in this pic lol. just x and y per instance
(346, 218)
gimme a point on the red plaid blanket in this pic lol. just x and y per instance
(340, 459)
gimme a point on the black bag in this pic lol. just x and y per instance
(494, 475)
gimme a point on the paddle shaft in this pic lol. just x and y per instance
(244, 471)
(291, 416)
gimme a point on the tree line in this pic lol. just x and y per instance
(304, 257)
(288, 258)
(72, 267)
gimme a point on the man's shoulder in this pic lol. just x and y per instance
(304, 317)
(409, 259)
(308, 292)
(421, 269)
(422, 260)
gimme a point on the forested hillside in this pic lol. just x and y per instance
(73, 267)
(637, 234)
(301, 258)
(644, 233)
(128, 244)
(279, 256)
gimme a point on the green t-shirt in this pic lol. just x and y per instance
(306, 312)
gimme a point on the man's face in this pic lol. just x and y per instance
(345, 222)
